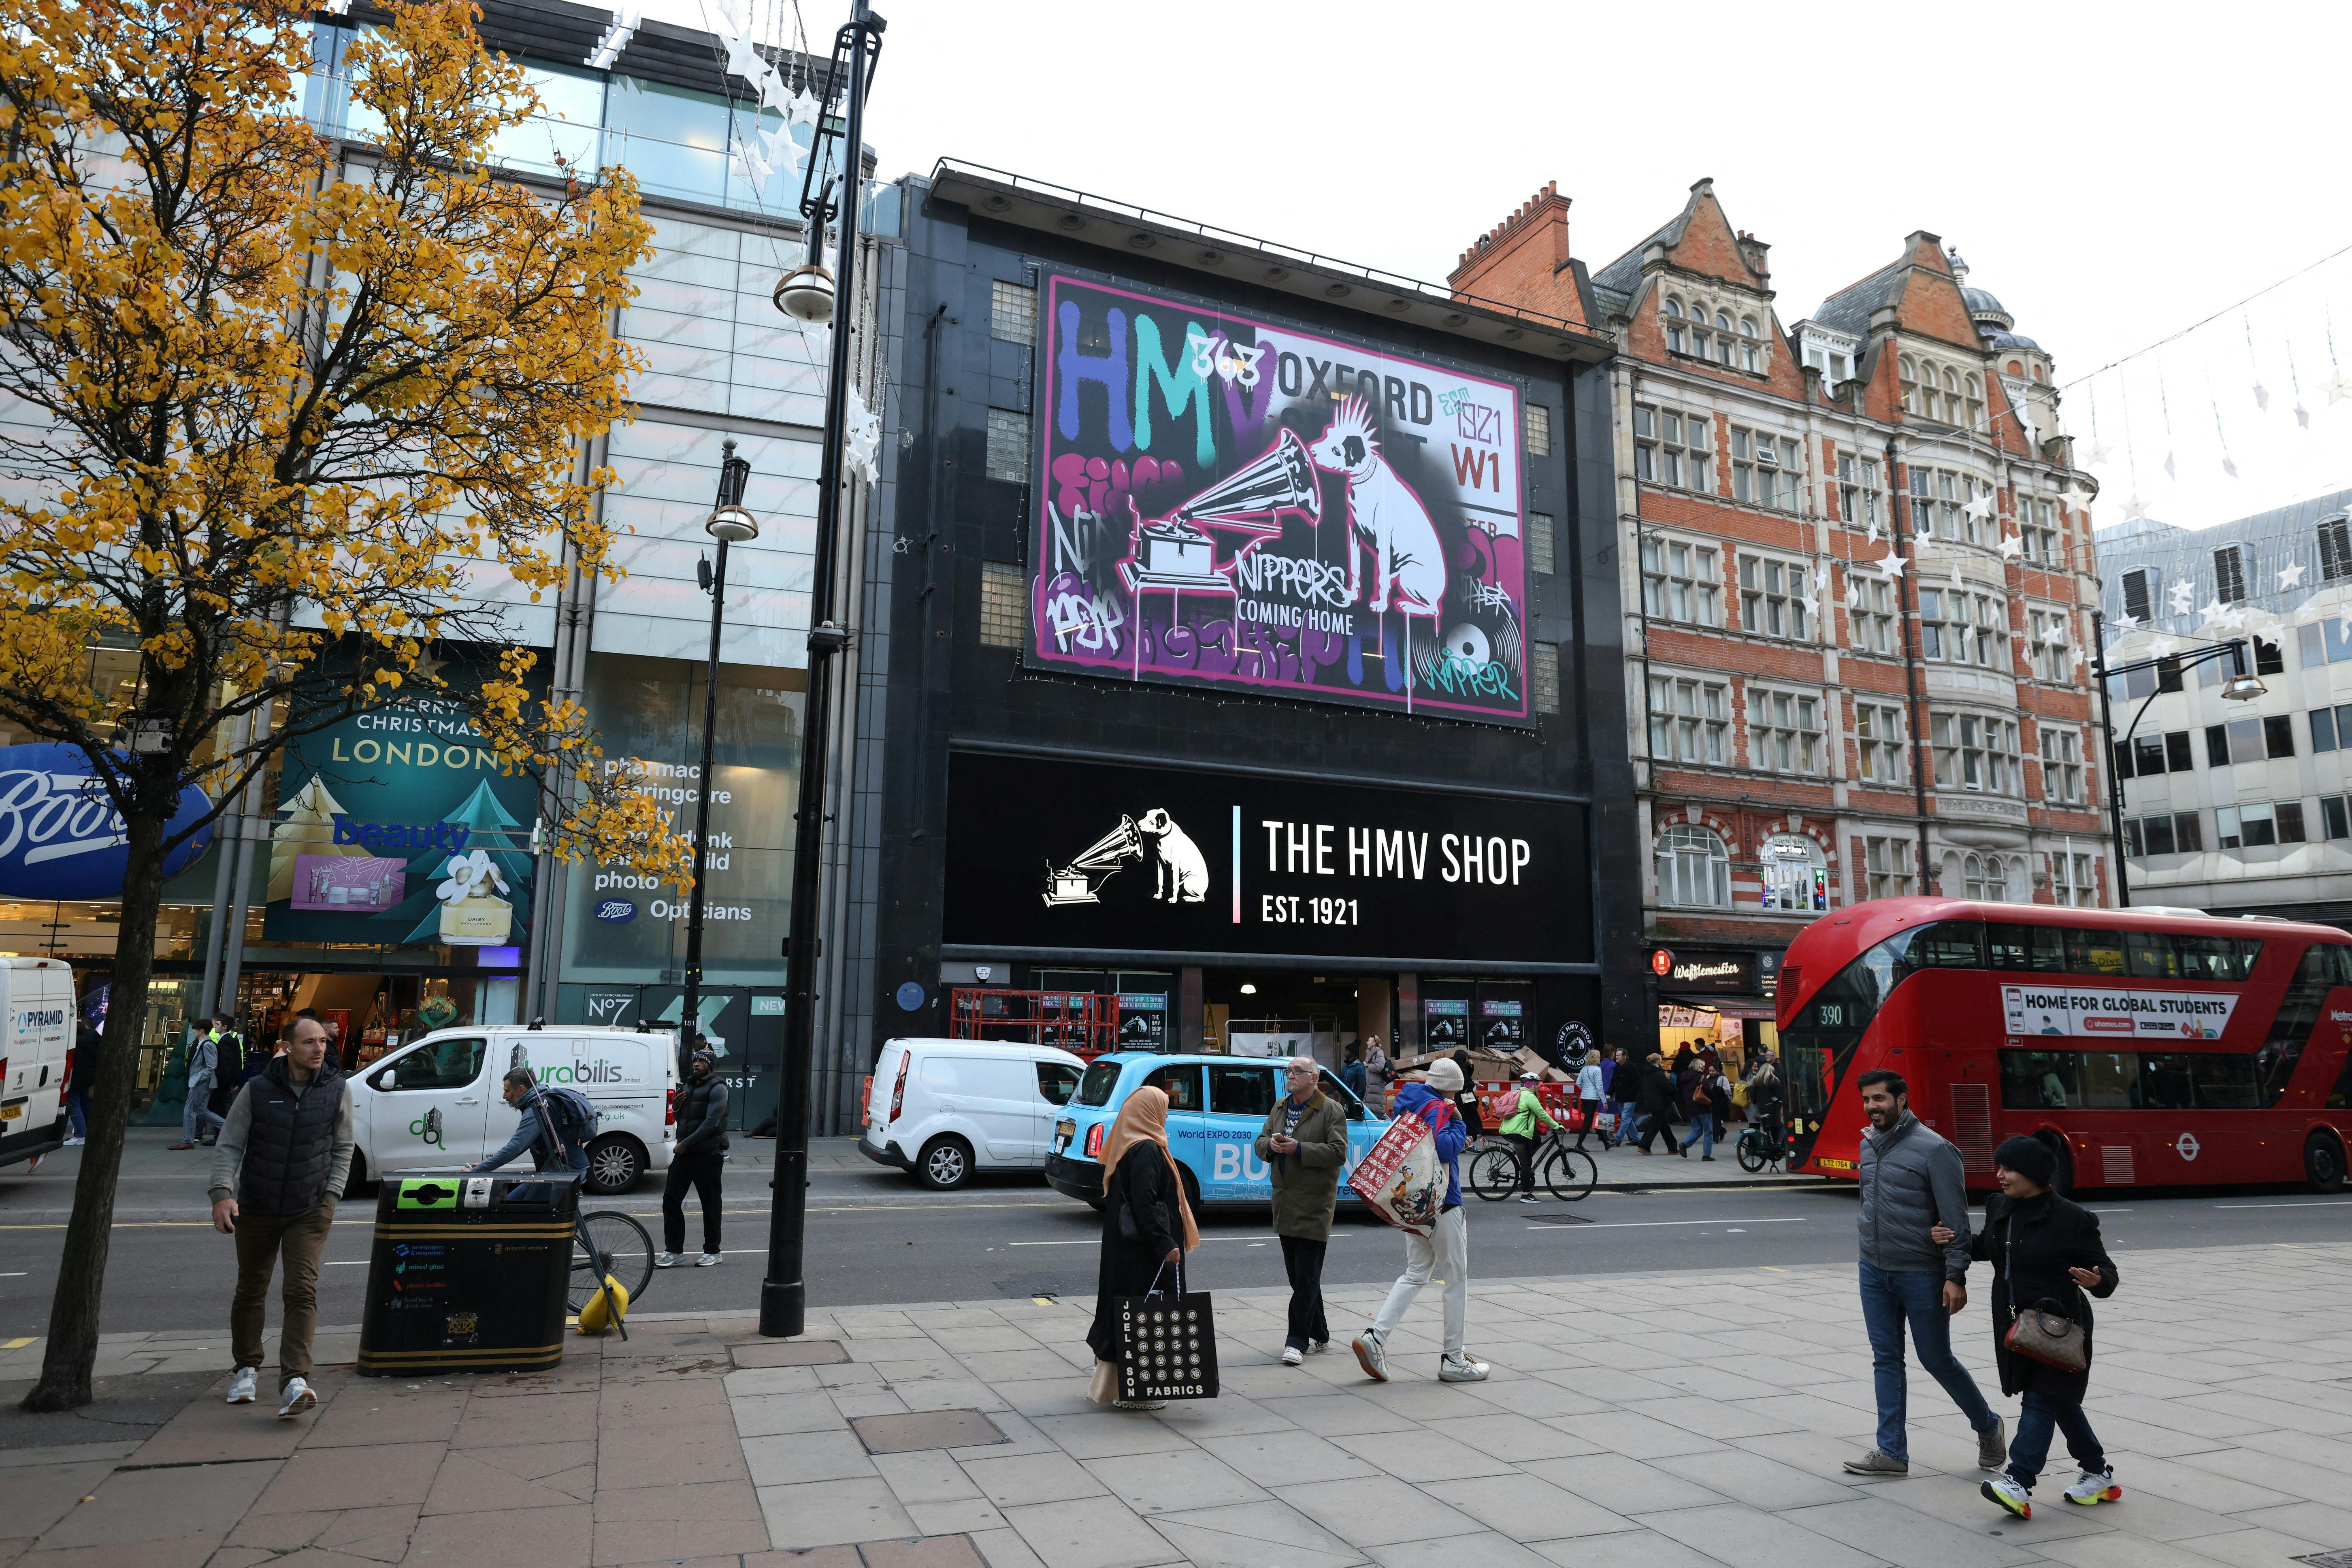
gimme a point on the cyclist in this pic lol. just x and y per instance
(1763, 1085)
(1519, 1127)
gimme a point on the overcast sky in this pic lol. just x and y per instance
(2113, 173)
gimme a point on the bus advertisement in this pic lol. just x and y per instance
(2146, 1047)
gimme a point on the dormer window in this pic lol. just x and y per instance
(1678, 340)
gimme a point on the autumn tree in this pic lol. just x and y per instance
(270, 402)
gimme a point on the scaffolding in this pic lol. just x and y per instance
(1075, 1021)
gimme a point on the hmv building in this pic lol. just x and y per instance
(1253, 680)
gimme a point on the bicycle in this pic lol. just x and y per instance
(606, 1241)
(1568, 1175)
(1761, 1144)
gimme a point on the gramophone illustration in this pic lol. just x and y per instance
(1182, 870)
(1239, 511)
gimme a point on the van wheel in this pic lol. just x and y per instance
(1192, 1188)
(615, 1163)
(2063, 1186)
(2323, 1162)
(355, 1185)
(945, 1164)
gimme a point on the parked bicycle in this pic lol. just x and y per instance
(607, 1241)
(1566, 1173)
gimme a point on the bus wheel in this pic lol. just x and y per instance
(2063, 1186)
(2323, 1162)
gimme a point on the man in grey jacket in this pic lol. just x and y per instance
(1911, 1182)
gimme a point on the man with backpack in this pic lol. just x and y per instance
(697, 1162)
(573, 1120)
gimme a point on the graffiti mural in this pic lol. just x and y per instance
(1227, 502)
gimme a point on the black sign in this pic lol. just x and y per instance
(1709, 969)
(1064, 855)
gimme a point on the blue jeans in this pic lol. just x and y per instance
(1625, 1122)
(2035, 1421)
(1703, 1132)
(1890, 1298)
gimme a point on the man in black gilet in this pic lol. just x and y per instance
(278, 1173)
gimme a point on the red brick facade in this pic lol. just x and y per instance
(1907, 361)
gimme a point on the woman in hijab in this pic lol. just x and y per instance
(1147, 1229)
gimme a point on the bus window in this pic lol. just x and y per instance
(2225, 958)
(2165, 1083)
(2094, 951)
(2042, 949)
(2224, 1082)
(2037, 1080)
(2108, 1081)
(2150, 954)
(1948, 944)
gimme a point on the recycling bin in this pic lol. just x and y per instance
(468, 1274)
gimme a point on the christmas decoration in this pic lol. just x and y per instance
(2290, 575)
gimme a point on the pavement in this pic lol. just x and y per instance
(1653, 1419)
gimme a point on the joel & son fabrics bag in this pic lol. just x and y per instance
(1166, 1342)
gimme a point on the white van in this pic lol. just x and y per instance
(944, 1108)
(439, 1102)
(36, 1034)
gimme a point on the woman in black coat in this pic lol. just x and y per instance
(2046, 1254)
(1654, 1102)
(1147, 1229)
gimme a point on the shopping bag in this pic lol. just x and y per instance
(1401, 1177)
(1604, 1121)
(1167, 1343)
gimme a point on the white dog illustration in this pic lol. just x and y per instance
(1181, 874)
(1383, 512)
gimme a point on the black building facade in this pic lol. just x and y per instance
(1254, 673)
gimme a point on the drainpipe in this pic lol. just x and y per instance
(1900, 517)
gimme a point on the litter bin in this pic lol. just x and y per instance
(467, 1274)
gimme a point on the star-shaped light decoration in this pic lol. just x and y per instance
(744, 61)
(2290, 575)
(2339, 387)
(1980, 507)
(751, 164)
(2161, 647)
(804, 110)
(1874, 530)
(862, 438)
(1956, 577)
(1853, 591)
(2343, 622)
(2024, 419)
(2056, 635)
(2262, 398)
(777, 146)
(1813, 605)
(2169, 472)
(2184, 598)
(2135, 510)
(2229, 465)
(2080, 500)
(2302, 416)
(2213, 610)
(2011, 547)
(1893, 564)
(2126, 623)
(2098, 455)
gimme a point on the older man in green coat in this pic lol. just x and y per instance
(1305, 1145)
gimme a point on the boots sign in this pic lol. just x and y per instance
(1047, 854)
(60, 836)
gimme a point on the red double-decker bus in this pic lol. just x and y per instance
(2146, 1047)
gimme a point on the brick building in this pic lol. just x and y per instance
(1808, 727)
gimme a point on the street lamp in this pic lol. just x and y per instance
(784, 1293)
(729, 524)
(2241, 687)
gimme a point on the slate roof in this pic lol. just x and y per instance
(1848, 310)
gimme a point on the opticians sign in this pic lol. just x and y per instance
(2104, 1014)
(1225, 501)
(1046, 853)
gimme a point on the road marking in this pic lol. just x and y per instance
(1660, 1224)
(17, 1344)
(2305, 1204)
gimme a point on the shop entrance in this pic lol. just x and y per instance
(1287, 1012)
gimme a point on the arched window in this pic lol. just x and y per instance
(1723, 337)
(1750, 357)
(1796, 875)
(1693, 870)
(1910, 369)
(2014, 368)
(1677, 341)
(1986, 879)
(1699, 335)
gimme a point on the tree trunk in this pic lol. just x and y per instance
(81, 1272)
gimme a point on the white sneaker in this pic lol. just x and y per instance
(2095, 1486)
(75, 1142)
(709, 1260)
(2003, 1488)
(1317, 1347)
(1530, 1198)
(1371, 1357)
(299, 1398)
(1465, 1368)
(1292, 1356)
(664, 1260)
(241, 1385)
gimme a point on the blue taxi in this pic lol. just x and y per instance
(1216, 1108)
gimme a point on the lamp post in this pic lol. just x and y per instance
(784, 1293)
(729, 524)
(2241, 687)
